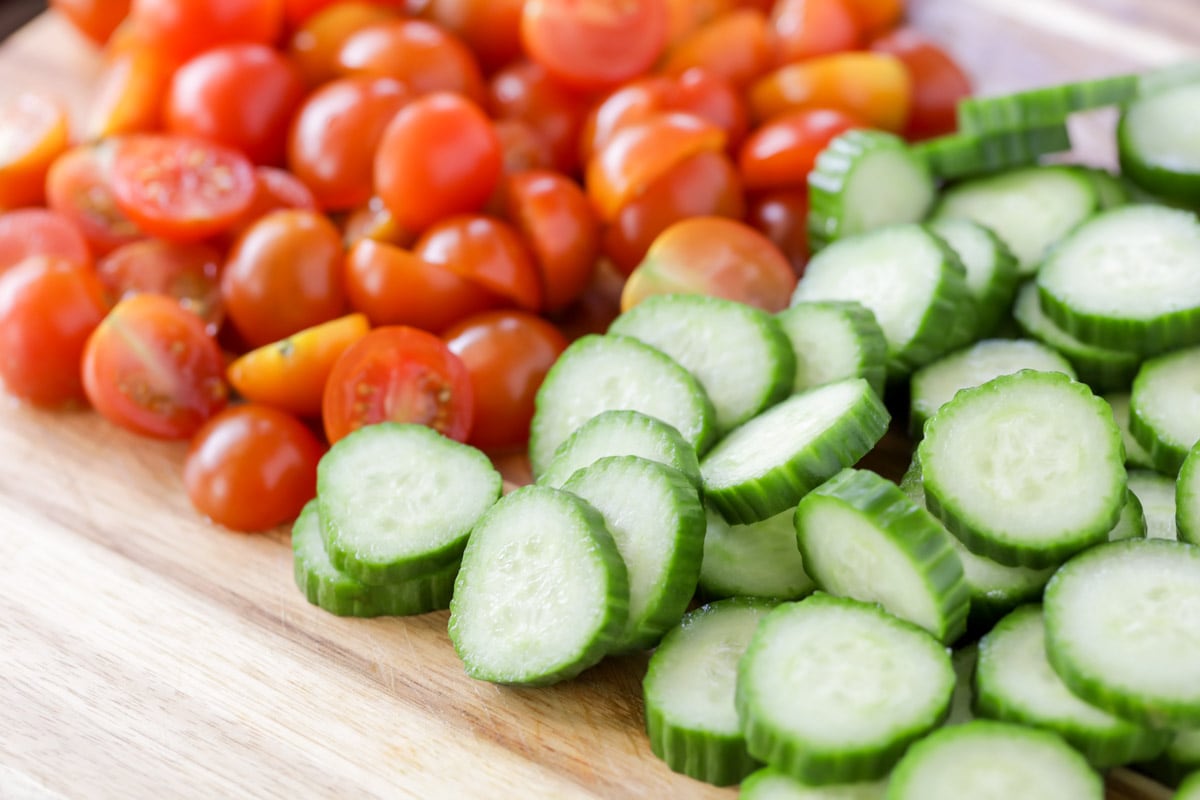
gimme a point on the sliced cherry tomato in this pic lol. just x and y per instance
(274, 190)
(291, 374)
(95, 19)
(314, 47)
(335, 134)
(524, 148)
(595, 44)
(284, 275)
(486, 251)
(938, 82)
(491, 28)
(736, 46)
(422, 55)
(717, 257)
(33, 133)
(507, 354)
(874, 87)
(876, 16)
(48, 309)
(439, 156)
(184, 28)
(374, 221)
(802, 29)
(782, 217)
(525, 91)
(150, 367)
(130, 94)
(31, 232)
(395, 287)
(781, 153)
(251, 468)
(79, 188)
(398, 374)
(186, 272)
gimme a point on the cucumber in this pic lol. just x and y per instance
(832, 690)
(1123, 630)
(834, 340)
(621, 433)
(1135, 455)
(1189, 789)
(605, 373)
(542, 594)
(768, 464)
(1132, 524)
(1187, 498)
(771, 784)
(756, 560)
(863, 538)
(1030, 209)
(655, 518)
(689, 692)
(1127, 279)
(963, 154)
(397, 501)
(911, 281)
(1165, 408)
(326, 587)
(934, 385)
(991, 270)
(739, 354)
(986, 760)
(864, 180)
(1181, 758)
(1015, 683)
(1048, 105)
(1156, 494)
(1157, 144)
(1111, 191)
(963, 660)
(1168, 77)
(998, 459)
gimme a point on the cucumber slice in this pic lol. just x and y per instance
(1135, 454)
(397, 501)
(985, 760)
(605, 373)
(739, 354)
(1183, 753)
(1156, 494)
(1187, 498)
(1165, 408)
(963, 660)
(1044, 106)
(771, 784)
(998, 460)
(1014, 683)
(1168, 77)
(1103, 369)
(1123, 630)
(1189, 789)
(1157, 143)
(991, 270)
(756, 560)
(689, 689)
(1030, 209)
(962, 154)
(1110, 189)
(768, 464)
(655, 517)
(864, 180)
(1132, 524)
(833, 341)
(863, 538)
(336, 592)
(832, 690)
(936, 384)
(1128, 279)
(542, 594)
(910, 280)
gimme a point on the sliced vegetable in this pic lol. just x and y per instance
(834, 340)
(756, 560)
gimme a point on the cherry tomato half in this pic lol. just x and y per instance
(130, 93)
(526, 91)
(781, 153)
(95, 19)
(79, 187)
(33, 133)
(486, 251)
(185, 272)
(736, 46)
(39, 232)
(874, 87)
(938, 82)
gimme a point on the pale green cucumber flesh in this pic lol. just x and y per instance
(756, 560)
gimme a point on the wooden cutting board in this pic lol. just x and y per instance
(145, 653)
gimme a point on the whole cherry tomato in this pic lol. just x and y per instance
(782, 216)
(486, 251)
(781, 153)
(251, 468)
(525, 91)
(314, 47)
(736, 46)
(33, 133)
(79, 187)
(184, 28)
(422, 55)
(938, 82)
(688, 15)
(491, 28)
(805, 28)
(31, 232)
(186, 272)
(95, 19)
(130, 93)
(876, 16)
(874, 87)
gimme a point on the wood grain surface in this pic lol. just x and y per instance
(145, 653)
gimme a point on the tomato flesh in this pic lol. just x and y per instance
(33, 133)
(185, 272)
(79, 188)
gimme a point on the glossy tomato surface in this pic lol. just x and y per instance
(130, 93)
(315, 45)
(79, 187)
(31, 232)
(186, 272)
(938, 82)
(781, 153)
(423, 56)
(187, 27)
(485, 251)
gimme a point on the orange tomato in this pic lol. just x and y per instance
(485, 251)
(95, 19)
(805, 28)
(876, 16)
(314, 47)
(422, 55)
(33, 133)
(874, 87)
(130, 94)
(184, 28)
(491, 28)
(736, 46)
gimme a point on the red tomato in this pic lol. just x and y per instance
(186, 272)
(398, 374)
(251, 468)
(151, 367)
(485, 251)
(595, 44)
(439, 156)
(783, 218)
(805, 28)
(79, 188)
(95, 19)
(736, 46)
(48, 309)
(524, 148)
(525, 91)
(315, 46)
(284, 275)
(33, 133)
(781, 153)
(335, 135)
(871, 86)
(274, 190)
(491, 28)
(38, 232)
(130, 94)
(179, 188)
(422, 55)
(507, 355)
(187, 27)
(938, 82)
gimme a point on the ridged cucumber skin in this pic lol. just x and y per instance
(1120, 742)
(961, 155)
(995, 298)
(1135, 456)
(990, 543)
(1046, 106)
(849, 438)
(1166, 456)
(1178, 184)
(1081, 678)
(1187, 498)
(865, 329)
(771, 784)
(806, 761)
(909, 528)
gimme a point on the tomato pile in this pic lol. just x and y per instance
(281, 220)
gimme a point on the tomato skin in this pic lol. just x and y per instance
(151, 368)
(187, 27)
(439, 156)
(33, 133)
(781, 153)
(782, 216)
(79, 187)
(491, 28)
(29, 232)
(938, 82)
(736, 46)
(524, 148)
(874, 87)
(95, 19)
(876, 16)
(806, 28)
(284, 275)
(424, 57)
(186, 272)
(525, 91)
(251, 468)
(48, 309)
(398, 374)
(130, 94)
(315, 45)
(507, 355)
(486, 251)
(374, 221)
